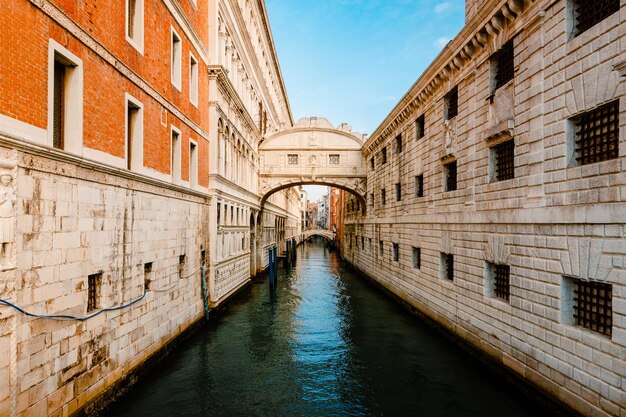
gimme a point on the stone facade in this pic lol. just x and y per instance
(554, 223)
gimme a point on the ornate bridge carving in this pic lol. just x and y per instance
(313, 152)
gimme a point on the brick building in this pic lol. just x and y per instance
(114, 160)
(496, 195)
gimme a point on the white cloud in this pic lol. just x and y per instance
(441, 42)
(442, 7)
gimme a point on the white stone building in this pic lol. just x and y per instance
(496, 201)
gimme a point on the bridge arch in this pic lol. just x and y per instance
(313, 152)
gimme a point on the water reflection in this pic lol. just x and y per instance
(325, 343)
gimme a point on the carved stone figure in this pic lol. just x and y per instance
(7, 212)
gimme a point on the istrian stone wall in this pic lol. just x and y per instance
(555, 222)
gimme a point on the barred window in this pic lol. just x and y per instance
(449, 170)
(452, 103)
(381, 248)
(417, 258)
(593, 305)
(504, 160)
(383, 155)
(292, 159)
(498, 281)
(419, 127)
(398, 191)
(504, 64)
(596, 134)
(447, 266)
(333, 159)
(399, 143)
(383, 196)
(396, 252)
(589, 13)
(419, 185)
(94, 282)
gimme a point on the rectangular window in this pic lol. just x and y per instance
(372, 163)
(292, 159)
(449, 171)
(219, 213)
(419, 127)
(381, 248)
(590, 305)
(369, 245)
(147, 275)
(383, 155)
(447, 266)
(417, 258)
(65, 99)
(362, 243)
(193, 164)
(399, 143)
(193, 80)
(503, 64)
(182, 259)
(134, 135)
(589, 13)
(333, 159)
(503, 160)
(94, 283)
(451, 102)
(175, 168)
(596, 134)
(419, 185)
(134, 23)
(383, 196)
(396, 252)
(398, 191)
(59, 104)
(498, 281)
(176, 59)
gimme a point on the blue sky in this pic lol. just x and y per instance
(353, 60)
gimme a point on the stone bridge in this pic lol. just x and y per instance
(318, 232)
(313, 152)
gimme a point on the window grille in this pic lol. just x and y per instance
(447, 262)
(593, 305)
(597, 134)
(383, 155)
(383, 196)
(417, 258)
(504, 159)
(452, 103)
(399, 143)
(419, 185)
(505, 68)
(589, 13)
(501, 279)
(450, 171)
(419, 127)
(333, 159)
(93, 291)
(292, 159)
(398, 191)
(396, 252)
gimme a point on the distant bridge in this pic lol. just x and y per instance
(319, 232)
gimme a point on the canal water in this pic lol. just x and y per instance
(325, 343)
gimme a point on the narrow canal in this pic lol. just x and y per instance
(326, 343)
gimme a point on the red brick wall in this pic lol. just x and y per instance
(24, 75)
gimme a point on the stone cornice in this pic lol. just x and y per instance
(56, 15)
(279, 73)
(56, 155)
(492, 18)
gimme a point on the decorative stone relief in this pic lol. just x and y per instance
(592, 88)
(8, 175)
(587, 258)
(496, 250)
(449, 132)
